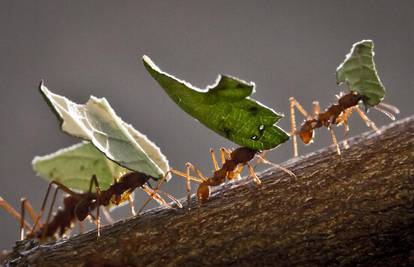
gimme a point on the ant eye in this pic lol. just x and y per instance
(254, 137)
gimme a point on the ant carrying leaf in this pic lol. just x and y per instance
(359, 73)
(227, 109)
(103, 171)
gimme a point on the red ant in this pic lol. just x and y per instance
(336, 114)
(233, 163)
(78, 206)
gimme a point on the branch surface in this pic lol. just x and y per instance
(353, 209)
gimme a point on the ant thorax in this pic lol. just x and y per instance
(331, 115)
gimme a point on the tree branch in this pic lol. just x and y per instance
(354, 209)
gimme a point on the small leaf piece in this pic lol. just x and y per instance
(359, 73)
(97, 122)
(75, 165)
(225, 108)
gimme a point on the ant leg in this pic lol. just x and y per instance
(225, 154)
(94, 181)
(335, 142)
(261, 158)
(98, 218)
(197, 171)
(22, 212)
(42, 209)
(346, 132)
(213, 158)
(253, 174)
(25, 206)
(30, 210)
(316, 107)
(177, 202)
(188, 184)
(187, 176)
(184, 175)
(367, 121)
(294, 103)
(49, 213)
(172, 198)
(131, 205)
(235, 174)
(201, 178)
(10, 210)
(293, 127)
(345, 118)
(153, 194)
(277, 166)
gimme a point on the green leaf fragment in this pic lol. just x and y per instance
(359, 73)
(75, 165)
(225, 108)
(97, 122)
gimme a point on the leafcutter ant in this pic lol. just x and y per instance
(78, 206)
(233, 163)
(335, 114)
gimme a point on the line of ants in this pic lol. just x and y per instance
(79, 206)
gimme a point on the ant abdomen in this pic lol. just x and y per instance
(134, 179)
(242, 154)
(349, 100)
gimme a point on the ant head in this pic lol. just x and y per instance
(203, 192)
(306, 132)
(306, 136)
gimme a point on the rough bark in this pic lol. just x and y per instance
(353, 209)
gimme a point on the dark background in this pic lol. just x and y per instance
(94, 47)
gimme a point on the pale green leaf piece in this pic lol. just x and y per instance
(225, 107)
(75, 165)
(98, 123)
(359, 73)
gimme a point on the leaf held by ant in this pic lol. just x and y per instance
(75, 165)
(358, 71)
(98, 123)
(226, 108)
